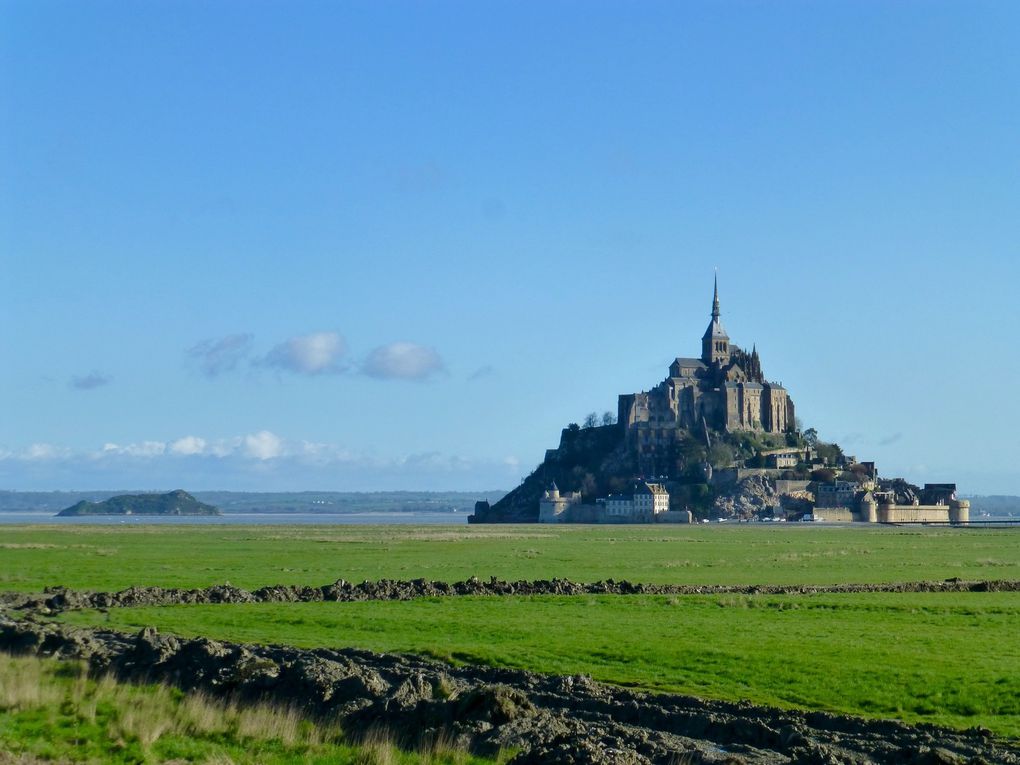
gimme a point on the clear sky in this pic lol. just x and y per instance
(386, 245)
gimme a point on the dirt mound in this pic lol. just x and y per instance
(549, 719)
(55, 599)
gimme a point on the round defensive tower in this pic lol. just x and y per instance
(959, 511)
(869, 509)
(885, 512)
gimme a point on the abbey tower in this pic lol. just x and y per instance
(724, 390)
(715, 345)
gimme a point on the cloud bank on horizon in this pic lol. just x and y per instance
(255, 461)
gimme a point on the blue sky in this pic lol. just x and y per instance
(354, 246)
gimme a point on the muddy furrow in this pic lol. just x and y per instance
(547, 719)
(56, 599)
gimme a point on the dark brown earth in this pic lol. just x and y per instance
(547, 719)
(56, 599)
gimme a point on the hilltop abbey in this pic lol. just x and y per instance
(715, 439)
(723, 390)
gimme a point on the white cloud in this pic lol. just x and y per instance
(142, 449)
(187, 446)
(214, 357)
(313, 354)
(44, 452)
(224, 447)
(263, 445)
(403, 361)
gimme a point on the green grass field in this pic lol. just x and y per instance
(949, 659)
(945, 658)
(114, 557)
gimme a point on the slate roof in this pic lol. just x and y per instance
(685, 363)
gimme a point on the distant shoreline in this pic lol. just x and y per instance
(324, 502)
(379, 518)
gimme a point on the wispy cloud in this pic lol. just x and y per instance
(890, 440)
(313, 354)
(142, 449)
(321, 353)
(217, 356)
(91, 381)
(482, 371)
(40, 452)
(403, 361)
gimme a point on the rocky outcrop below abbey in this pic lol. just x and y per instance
(545, 719)
(596, 459)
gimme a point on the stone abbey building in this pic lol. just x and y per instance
(724, 390)
(664, 446)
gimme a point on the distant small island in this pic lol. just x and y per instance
(172, 503)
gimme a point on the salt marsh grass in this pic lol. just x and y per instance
(112, 558)
(54, 711)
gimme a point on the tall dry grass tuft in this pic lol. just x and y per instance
(145, 717)
(147, 713)
(443, 749)
(197, 714)
(23, 686)
(284, 724)
(377, 748)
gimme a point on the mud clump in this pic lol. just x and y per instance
(56, 599)
(546, 719)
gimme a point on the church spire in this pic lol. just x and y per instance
(715, 345)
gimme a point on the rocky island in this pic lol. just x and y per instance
(177, 502)
(716, 439)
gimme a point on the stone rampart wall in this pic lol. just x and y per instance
(913, 514)
(674, 516)
(842, 514)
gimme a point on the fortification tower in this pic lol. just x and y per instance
(715, 345)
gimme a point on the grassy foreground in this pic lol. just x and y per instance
(945, 658)
(113, 558)
(53, 711)
(950, 659)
